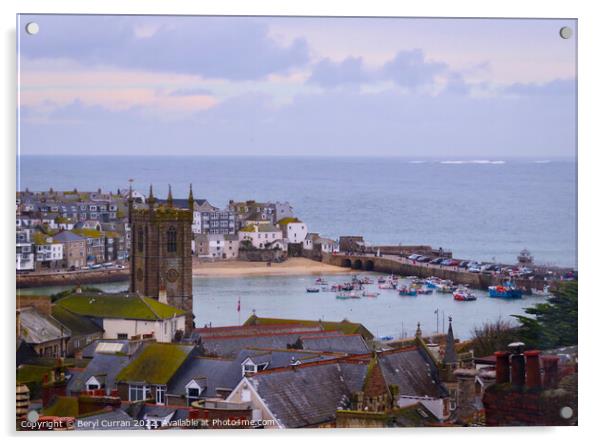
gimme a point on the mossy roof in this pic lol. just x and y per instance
(77, 324)
(89, 233)
(288, 220)
(346, 327)
(126, 306)
(40, 238)
(63, 407)
(156, 364)
(32, 373)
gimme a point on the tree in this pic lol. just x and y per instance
(554, 323)
(494, 336)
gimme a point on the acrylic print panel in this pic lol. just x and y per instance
(288, 222)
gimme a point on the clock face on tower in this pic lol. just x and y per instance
(172, 275)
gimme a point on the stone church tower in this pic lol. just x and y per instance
(161, 253)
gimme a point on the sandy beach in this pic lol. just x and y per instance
(292, 266)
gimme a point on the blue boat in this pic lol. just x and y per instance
(506, 290)
(410, 292)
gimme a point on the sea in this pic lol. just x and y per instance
(481, 209)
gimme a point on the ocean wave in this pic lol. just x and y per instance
(474, 161)
(417, 162)
(544, 161)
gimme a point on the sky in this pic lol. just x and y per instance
(290, 86)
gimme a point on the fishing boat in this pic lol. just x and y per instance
(507, 290)
(312, 290)
(370, 294)
(347, 295)
(463, 294)
(423, 291)
(432, 282)
(407, 292)
(321, 280)
(381, 280)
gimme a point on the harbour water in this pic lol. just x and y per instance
(216, 300)
(479, 209)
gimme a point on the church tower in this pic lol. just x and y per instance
(161, 253)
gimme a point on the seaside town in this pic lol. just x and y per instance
(91, 360)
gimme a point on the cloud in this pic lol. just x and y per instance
(410, 69)
(331, 122)
(239, 49)
(328, 73)
(562, 87)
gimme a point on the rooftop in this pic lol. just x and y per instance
(344, 326)
(157, 363)
(125, 306)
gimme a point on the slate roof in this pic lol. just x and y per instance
(67, 236)
(110, 420)
(414, 373)
(214, 372)
(127, 347)
(229, 346)
(350, 344)
(223, 331)
(102, 365)
(36, 327)
(309, 395)
(78, 325)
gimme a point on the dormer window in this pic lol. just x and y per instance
(194, 389)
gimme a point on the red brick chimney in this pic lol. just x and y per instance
(550, 367)
(502, 367)
(518, 363)
(533, 372)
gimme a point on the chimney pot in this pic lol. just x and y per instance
(518, 369)
(550, 367)
(533, 370)
(502, 367)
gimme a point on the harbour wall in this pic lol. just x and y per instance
(71, 278)
(391, 265)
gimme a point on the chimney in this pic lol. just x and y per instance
(162, 293)
(533, 372)
(517, 363)
(550, 368)
(502, 367)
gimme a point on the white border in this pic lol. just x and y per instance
(590, 34)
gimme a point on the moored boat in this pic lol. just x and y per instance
(463, 294)
(312, 290)
(347, 295)
(370, 294)
(409, 292)
(506, 290)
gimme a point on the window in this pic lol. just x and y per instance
(171, 239)
(122, 336)
(193, 393)
(138, 392)
(140, 240)
(160, 395)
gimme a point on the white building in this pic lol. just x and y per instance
(261, 236)
(218, 247)
(25, 251)
(48, 253)
(295, 231)
(123, 316)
